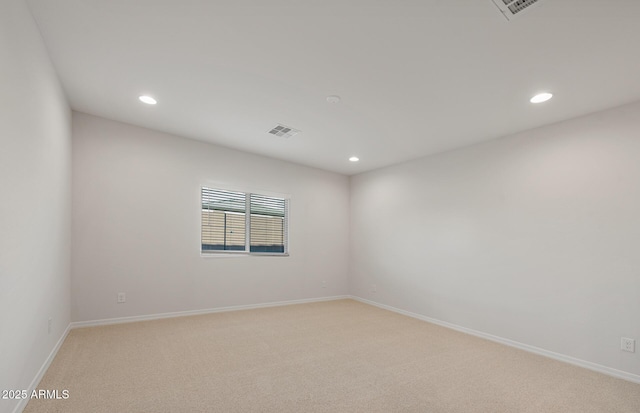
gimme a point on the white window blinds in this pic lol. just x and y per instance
(226, 225)
(223, 220)
(268, 224)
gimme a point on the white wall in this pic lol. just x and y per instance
(533, 237)
(35, 173)
(136, 225)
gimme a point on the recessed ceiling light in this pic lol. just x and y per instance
(333, 99)
(354, 159)
(541, 97)
(148, 100)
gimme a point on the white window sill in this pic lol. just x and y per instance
(241, 254)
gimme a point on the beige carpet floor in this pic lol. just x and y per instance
(337, 356)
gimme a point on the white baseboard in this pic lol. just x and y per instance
(526, 347)
(120, 320)
(36, 380)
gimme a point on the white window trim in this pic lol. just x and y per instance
(247, 191)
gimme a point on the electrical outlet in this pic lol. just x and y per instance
(324, 284)
(374, 288)
(628, 344)
(122, 298)
(49, 325)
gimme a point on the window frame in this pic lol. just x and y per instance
(247, 251)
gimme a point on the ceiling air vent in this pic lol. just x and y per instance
(285, 131)
(512, 8)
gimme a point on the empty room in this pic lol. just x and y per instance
(319, 206)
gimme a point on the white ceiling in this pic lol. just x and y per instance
(416, 76)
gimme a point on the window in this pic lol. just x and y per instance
(227, 227)
(223, 220)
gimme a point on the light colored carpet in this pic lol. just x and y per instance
(338, 356)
